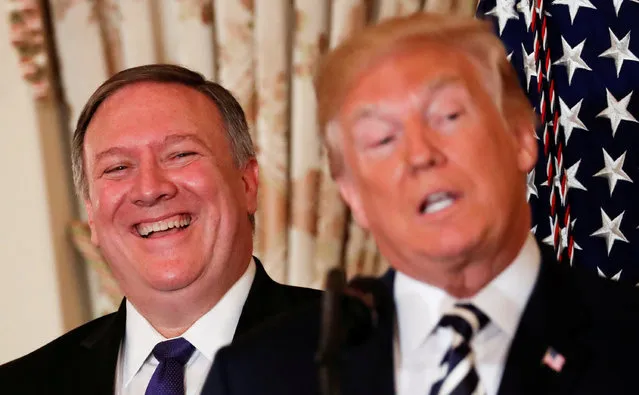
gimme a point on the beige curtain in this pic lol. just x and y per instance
(265, 52)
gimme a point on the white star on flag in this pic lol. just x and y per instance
(557, 182)
(619, 51)
(613, 170)
(504, 10)
(556, 178)
(617, 111)
(572, 58)
(573, 6)
(563, 240)
(616, 277)
(525, 8)
(575, 246)
(610, 230)
(550, 239)
(531, 187)
(618, 3)
(571, 177)
(529, 65)
(569, 118)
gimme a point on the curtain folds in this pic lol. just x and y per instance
(265, 52)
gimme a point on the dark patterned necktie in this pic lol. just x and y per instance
(168, 378)
(459, 363)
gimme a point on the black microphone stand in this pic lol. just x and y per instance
(331, 333)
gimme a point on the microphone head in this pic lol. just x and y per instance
(350, 312)
(358, 320)
(368, 299)
(335, 280)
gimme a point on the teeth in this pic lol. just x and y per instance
(437, 196)
(440, 205)
(437, 202)
(181, 221)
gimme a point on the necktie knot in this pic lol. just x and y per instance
(168, 378)
(465, 319)
(179, 350)
(458, 374)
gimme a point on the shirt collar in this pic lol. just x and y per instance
(208, 334)
(420, 306)
(505, 297)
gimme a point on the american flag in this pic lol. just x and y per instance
(579, 63)
(553, 360)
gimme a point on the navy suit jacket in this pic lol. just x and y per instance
(83, 361)
(593, 323)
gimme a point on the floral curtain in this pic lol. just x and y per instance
(265, 52)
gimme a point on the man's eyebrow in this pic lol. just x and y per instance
(178, 138)
(382, 108)
(432, 87)
(110, 152)
(369, 110)
(168, 140)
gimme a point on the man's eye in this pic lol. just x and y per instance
(115, 169)
(446, 120)
(384, 141)
(180, 155)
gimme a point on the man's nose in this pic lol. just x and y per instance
(152, 185)
(422, 150)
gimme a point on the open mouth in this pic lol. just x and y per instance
(437, 202)
(173, 224)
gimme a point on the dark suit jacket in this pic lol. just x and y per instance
(593, 323)
(83, 361)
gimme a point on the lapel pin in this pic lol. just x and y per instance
(553, 359)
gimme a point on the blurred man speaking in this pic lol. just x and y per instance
(164, 163)
(430, 138)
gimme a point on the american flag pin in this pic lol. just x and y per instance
(553, 359)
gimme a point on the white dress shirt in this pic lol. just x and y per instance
(421, 347)
(212, 331)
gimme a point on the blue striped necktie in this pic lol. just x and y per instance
(458, 364)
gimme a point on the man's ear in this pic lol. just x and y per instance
(527, 147)
(351, 196)
(88, 207)
(250, 176)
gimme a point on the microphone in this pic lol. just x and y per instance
(330, 332)
(350, 314)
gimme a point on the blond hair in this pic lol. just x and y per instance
(341, 67)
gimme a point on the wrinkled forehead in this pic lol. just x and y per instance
(415, 70)
(410, 75)
(155, 116)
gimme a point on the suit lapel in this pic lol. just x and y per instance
(551, 321)
(259, 301)
(94, 367)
